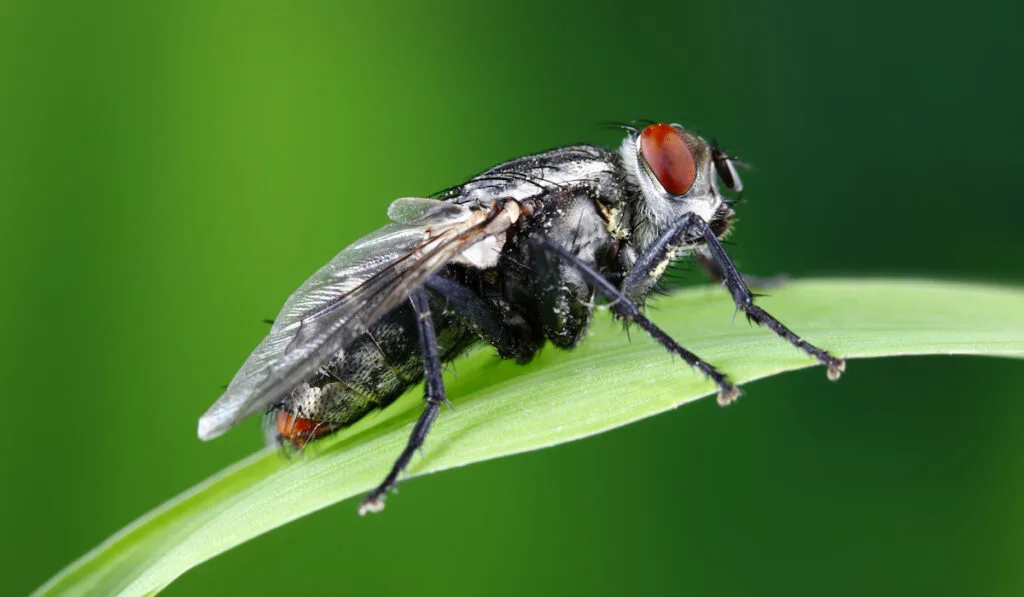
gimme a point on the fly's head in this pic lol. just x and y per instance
(677, 172)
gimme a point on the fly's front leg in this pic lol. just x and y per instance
(649, 266)
(743, 298)
(690, 229)
(434, 397)
(714, 273)
(628, 309)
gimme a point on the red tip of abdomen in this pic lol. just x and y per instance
(298, 431)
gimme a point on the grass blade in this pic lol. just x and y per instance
(505, 409)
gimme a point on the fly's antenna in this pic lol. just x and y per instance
(735, 159)
(620, 126)
(632, 127)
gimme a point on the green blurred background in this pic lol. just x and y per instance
(168, 174)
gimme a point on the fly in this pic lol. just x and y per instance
(513, 257)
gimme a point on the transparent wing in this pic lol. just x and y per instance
(345, 297)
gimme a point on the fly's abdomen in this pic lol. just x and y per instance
(371, 373)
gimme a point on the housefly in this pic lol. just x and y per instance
(512, 257)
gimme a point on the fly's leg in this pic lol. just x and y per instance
(714, 273)
(690, 229)
(745, 300)
(628, 309)
(647, 269)
(506, 331)
(434, 397)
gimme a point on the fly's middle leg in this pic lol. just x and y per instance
(506, 331)
(434, 398)
(628, 309)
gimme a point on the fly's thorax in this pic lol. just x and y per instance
(547, 174)
(674, 173)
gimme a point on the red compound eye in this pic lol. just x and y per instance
(666, 152)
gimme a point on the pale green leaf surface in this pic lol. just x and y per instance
(502, 408)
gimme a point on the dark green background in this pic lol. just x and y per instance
(168, 175)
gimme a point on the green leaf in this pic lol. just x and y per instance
(504, 409)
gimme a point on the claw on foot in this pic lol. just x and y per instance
(836, 368)
(728, 394)
(372, 504)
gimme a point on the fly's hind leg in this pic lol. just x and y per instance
(434, 397)
(626, 308)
